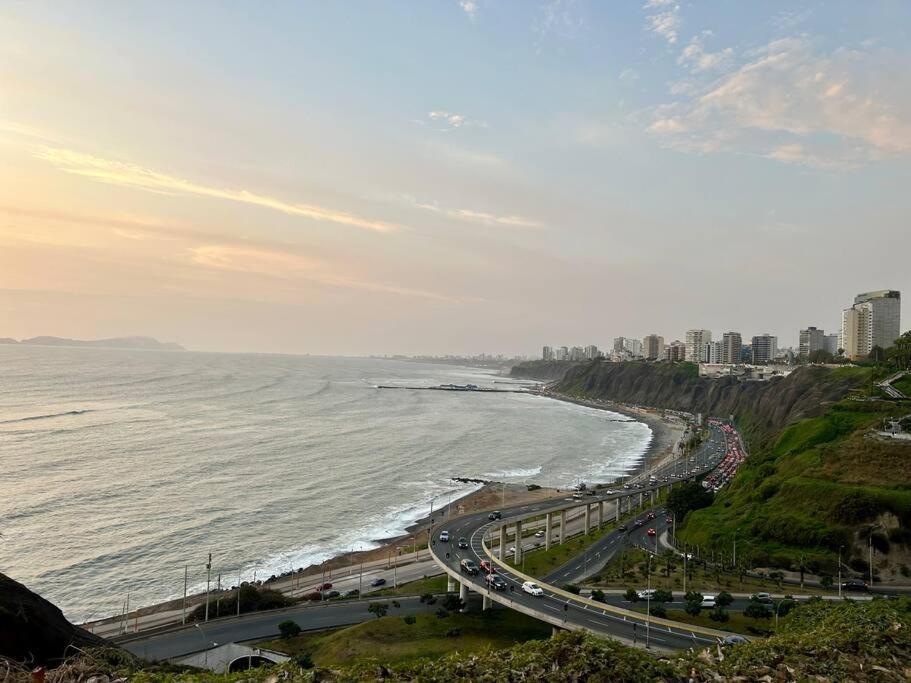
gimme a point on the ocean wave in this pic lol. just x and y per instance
(47, 416)
(519, 473)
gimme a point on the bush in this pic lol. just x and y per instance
(303, 660)
(453, 603)
(252, 599)
(881, 542)
(409, 619)
(631, 595)
(693, 605)
(572, 588)
(658, 610)
(396, 604)
(719, 614)
(756, 610)
(724, 599)
(441, 613)
(289, 629)
(663, 595)
(598, 595)
(378, 609)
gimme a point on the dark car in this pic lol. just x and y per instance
(468, 566)
(622, 527)
(378, 582)
(463, 542)
(854, 585)
(494, 515)
(332, 594)
(730, 641)
(497, 582)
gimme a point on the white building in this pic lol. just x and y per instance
(697, 342)
(873, 320)
(592, 352)
(716, 353)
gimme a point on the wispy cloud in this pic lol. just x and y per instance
(470, 7)
(695, 57)
(132, 175)
(473, 216)
(450, 120)
(790, 102)
(665, 22)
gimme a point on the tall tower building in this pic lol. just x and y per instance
(696, 344)
(873, 320)
(653, 346)
(731, 345)
(765, 348)
(811, 339)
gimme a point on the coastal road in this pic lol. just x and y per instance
(564, 609)
(260, 625)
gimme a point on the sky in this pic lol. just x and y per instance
(449, 176)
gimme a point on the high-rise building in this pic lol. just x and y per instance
(653, 347)
(765, 348)
(577, 353)
(731, 343)
(746, 353)
(675, 351)
(547, 353)
(811, 339)
(592, 352)
(696, 341)
(830, 343)
(628, 347)
(716, 352)
(873, 320)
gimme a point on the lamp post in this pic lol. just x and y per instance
(648, 602)
(208, 583)
(205, 643)
(839, 570)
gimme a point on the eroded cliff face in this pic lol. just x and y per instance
(33, 630)
(543, 370)
(760, 408)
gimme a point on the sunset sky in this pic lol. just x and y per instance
(450, 176)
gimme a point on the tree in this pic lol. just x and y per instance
(378, 609)
(631, 595)
(899, 354)
(684, 499)
(820, 356)
(693, 603)
(719, 614)
(756, 610)
(826, 581)
(663, 595)
(598, 595)
(453, 603)
(572, 588)
(724, 599)
(303, 659)
(658, 610)
(289, 629)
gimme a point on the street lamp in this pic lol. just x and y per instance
(205, 643)
(648, 602)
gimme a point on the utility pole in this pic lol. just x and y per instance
(208, 583)
(839, 569)
(186, 571)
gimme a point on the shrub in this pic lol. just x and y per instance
(572, 588)
(756, 610)
(441, 613)
(881, 542)
(658, 610)
(409, 619)
(378, 609)
(303, 660)
(453, 633)
(598, 595)
(428, 598)
(396, 604)
(719, 614)
(289, 629)
(724, 599)
(453, 603)
(663, 595)
(631, 595)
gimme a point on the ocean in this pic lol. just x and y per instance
(117, 467)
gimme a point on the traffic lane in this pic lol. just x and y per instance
(261, 625)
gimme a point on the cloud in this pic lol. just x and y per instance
(131, 175)
(452, 120)
(651, 4)
(474, 216)
(470, 7)
(697, 59)
(664, 23)
(789, 102)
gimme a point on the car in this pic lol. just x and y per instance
(532, 588)
(495, 515)
(669, 520)
(651, 532)
(444, 537)
(463, 542)
(622, 527)
(730, 641)
(638, 523)
(646, 594)
(378, 582)
(468, 566)
(332, 594)
(577, 496)
(539, 534)
(708, 601)
(764, 598)
(854, 585)
(627, 487)
(353, 593)
(650, 515)
(488, 566)
(497, 582)
(324, 587)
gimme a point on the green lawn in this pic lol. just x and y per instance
(903, 385)
(737, 623)
(392, 641)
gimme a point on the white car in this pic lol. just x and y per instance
(532, 588)
(708, 601)
(539, 534)
(646, 594)
(444, 537)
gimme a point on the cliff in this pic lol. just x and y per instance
(760, 408)
(33, 630)
(543, 370)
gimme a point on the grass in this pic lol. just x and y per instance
(392, 641)
(903, 385)
(429, 584)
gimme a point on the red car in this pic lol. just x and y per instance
(488, 567)
(324, 587)
(650, 532)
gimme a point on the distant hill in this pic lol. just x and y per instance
(114, 343)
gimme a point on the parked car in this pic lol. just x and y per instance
(378, 582)
(463, 542)
(353, 593)
(332, 594)
(532, 588)
(497, 582)
(444, 537)
(494, 515)
(468, 566)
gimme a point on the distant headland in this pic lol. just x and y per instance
(114, 343)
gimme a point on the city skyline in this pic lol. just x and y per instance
(449, 177)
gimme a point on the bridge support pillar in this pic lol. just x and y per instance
(450, 584)
(486, 604)
(548, 530)
(587, 522)
(617, 510)
(640, 499)
(463, 596)
(600, 514)
(518, 555)
(503, 542)
(562, 526)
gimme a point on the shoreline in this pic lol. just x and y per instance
(489, 495)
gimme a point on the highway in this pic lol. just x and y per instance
(558, 607)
